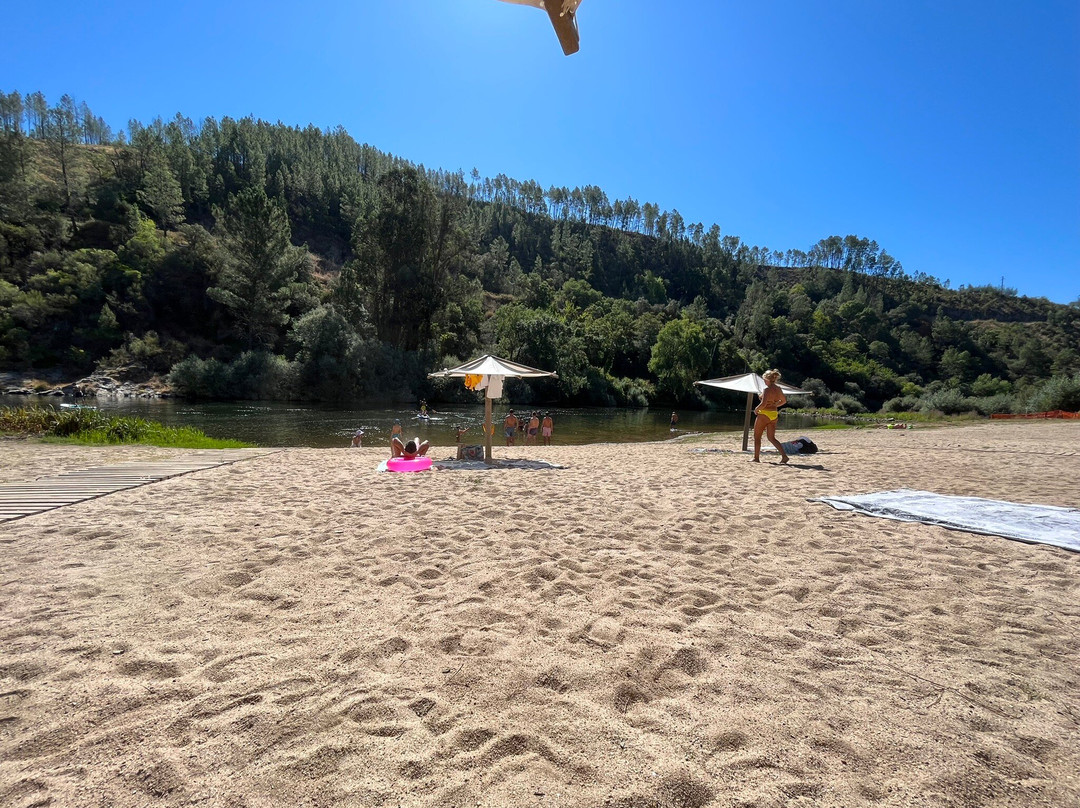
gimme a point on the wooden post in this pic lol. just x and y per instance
(746, 421)
(488, 429)
(565, 26)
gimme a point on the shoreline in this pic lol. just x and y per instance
(647, 626)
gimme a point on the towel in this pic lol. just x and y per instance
(1037, 524)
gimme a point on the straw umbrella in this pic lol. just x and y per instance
(493, 371)
(751, 384)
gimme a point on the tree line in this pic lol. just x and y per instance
(254, 260)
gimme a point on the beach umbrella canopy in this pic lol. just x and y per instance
(749, 383)
(491, 370)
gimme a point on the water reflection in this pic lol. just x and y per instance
(321, 426)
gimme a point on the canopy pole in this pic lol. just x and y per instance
(565, 27)
(746, 421)
(487, 429)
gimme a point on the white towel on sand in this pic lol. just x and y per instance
(1039, 524)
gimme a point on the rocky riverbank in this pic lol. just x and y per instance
(133, 381)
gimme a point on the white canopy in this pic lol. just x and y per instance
(496, 370)
(488, 365)
(749, 383)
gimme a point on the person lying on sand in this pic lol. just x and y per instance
(510, 426)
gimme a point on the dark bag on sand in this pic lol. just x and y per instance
(808, 446)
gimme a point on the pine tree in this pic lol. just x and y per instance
(260, 265)
(161, 195)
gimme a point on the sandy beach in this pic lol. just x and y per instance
(645, 628)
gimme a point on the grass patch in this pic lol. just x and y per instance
(90, 427)
(932, 417)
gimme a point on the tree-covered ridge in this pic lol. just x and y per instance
(261, 260)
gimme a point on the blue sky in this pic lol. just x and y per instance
(947, 130)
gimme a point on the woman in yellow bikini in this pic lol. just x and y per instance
(768, 411)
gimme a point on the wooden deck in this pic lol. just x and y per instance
(18, 500)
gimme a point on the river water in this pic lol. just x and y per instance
(322, 426)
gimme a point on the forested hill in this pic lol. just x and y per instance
(254, 260)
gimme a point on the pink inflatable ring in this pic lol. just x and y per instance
(408, 464)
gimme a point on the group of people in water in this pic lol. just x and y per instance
(533, 425)
(528, 426)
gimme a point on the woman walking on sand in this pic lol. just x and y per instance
(768, 412)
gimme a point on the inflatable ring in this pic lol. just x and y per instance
(408, 464)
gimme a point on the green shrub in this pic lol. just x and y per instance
(986, 385)
(91, 426)
(258, 376)
(254, 375)
(1057, 393)
(948, 400)
(901, 404)
(632, 392)
(848, 405)
(819, 392)
(42, 420)
(990, 405)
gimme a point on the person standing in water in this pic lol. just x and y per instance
(510, 427)
(768, 413)
(674, 420)
(547, 426)
(533, 428)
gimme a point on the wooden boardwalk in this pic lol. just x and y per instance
(45, 493)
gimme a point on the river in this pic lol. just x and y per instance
(322, 426)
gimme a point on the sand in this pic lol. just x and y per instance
(646, 628)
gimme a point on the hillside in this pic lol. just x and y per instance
(255, 260)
